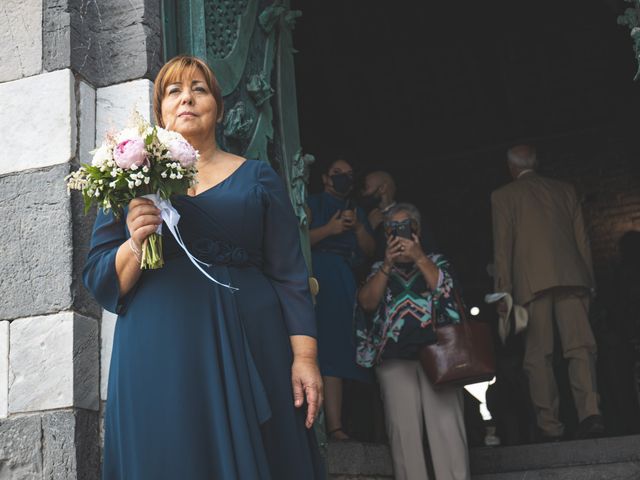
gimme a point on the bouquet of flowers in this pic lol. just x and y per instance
(140, 161)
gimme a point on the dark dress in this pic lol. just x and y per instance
(200, 378)
(333, 262)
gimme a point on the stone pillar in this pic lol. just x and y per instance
(69, 70)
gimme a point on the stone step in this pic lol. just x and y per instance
(361, 461)
(597, 459)
(616, 458)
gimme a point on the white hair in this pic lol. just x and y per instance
(522, 157)
(409, 209)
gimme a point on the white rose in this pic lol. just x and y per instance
(127, 134)
(167, 136)
(101, 156)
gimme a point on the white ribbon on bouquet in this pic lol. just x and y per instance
(171, 217)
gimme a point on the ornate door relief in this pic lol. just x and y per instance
(249, 45)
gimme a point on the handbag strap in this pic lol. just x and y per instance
(461, 309)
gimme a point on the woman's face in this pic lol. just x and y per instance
(400, 217)
(339, 168)
(189, 108)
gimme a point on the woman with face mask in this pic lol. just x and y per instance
(340, 236)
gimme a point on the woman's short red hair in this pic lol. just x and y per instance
(175, 70)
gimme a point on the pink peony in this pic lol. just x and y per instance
(182, 152)
(129, 153)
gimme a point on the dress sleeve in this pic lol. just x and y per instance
(283, 262)
(443, 295)
(503, 241)
(99, 274)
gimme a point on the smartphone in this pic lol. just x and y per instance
(349, 205)
(403, 230)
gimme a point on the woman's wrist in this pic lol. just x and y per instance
(305, 358)
(386, 269)
(423, 260)
(137, 252)
(304, 348)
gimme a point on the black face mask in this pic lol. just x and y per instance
(342, 183)
(369, 202)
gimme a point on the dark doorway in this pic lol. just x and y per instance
(435, 92)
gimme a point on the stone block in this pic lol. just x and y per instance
(88, 444)
(82, 227)
(4, 368)
(56, 34)
(53, 363)
(86, 121)
(105, 43)
(115, 105)
(106, 347)
(20, 39)
(58, 442)
(38, 121)
(70, 448)
(83, 302)
(51, 445)
(35, 272)
(86, 363)
(21, 448)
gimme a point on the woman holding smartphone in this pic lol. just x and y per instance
(340, 234)
(405, 296)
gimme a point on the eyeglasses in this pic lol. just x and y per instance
(392, 227)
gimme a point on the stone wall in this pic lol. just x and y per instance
(69, 71)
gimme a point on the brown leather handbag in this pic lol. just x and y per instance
(463, 354)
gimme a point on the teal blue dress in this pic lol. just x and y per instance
(200, 377)
(334, 261)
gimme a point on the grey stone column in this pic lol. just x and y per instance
(67, 68)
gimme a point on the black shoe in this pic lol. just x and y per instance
(590, 427)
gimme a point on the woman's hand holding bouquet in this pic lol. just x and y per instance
(144, 161)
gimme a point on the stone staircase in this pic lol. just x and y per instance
(616, 458)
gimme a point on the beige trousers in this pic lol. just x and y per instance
(409, 400)
(570, 308)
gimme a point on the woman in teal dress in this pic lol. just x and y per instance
(340, 237)
(206, 383)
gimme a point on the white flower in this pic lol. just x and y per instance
(147, 180)
(101, 156)
(166, 136)
(163, 174)
(172, 176)
(130, 184)
(127, 134)
(138, 183)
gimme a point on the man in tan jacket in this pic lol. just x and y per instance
(542, 258)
